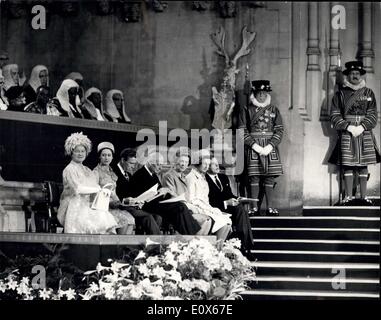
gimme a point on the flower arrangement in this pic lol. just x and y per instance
(194, 270)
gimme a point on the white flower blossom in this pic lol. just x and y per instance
(116, 266)
(143, 269)
(12, 284)
(44, 294)
(135, 291)
(25, 280)
(152, 260)
(93, 287)
(158, 272)
(140, 255)
(70, 294)
(3, 286)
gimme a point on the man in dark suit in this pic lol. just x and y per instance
(176, 213)
(222, 197)
(145, 222)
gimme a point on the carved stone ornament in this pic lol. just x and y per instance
(157, 5)
(228, 9)
(104, 7)
(16, 9)
(131, 10)
(257, 4)
(200, 5)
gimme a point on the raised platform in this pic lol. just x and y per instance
(95, 239)
(84, 250)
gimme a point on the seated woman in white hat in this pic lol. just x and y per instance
(105, 175)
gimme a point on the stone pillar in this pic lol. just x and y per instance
(366, 53)
(313, 77)
(334, 71)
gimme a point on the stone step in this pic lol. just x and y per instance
(317, 244)
(317, 222)
(316, 269)
(263, 294)
(316, 256)
(309, 211)
(317, 233)
(324, 284)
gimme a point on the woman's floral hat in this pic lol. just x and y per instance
(77, 139)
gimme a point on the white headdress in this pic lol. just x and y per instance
(8, 79)
(63, 94)
(89, 105)
(111, 109)
(34, 79)
(77, 139)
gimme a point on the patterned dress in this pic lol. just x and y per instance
(262, 125)
(104, 175)
(355, 107)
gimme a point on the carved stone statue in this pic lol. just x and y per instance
(224, 99)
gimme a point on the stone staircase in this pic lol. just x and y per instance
(328, 253)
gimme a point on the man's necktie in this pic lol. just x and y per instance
(219, 185)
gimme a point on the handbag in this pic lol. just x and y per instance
(102, 199)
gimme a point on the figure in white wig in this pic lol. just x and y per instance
(11, 76)
(80, 187)
(77, 77)
(3, 99)
(115, 110)
(66, 101)
(38, 77)
(93, 106)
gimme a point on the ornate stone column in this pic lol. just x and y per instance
(334, 70)
(366, 53)
(313, 76)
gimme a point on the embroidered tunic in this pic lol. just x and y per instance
(355, 107)
(262, 125)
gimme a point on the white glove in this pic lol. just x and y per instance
(257, 148)
(267, 150)
(351, 129)
(358, 131)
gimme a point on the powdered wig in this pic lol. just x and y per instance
(77, 139)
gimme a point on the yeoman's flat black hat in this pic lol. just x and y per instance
(354, 65)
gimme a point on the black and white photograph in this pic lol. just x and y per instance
(208, 151)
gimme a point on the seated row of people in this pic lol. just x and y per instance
(70, 101)
(194, 216)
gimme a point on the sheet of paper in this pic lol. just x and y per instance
(148, 195)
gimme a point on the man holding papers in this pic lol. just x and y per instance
(145, 222)
(222, 197)
(175, 181)
(175, 213)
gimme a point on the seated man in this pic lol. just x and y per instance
(175, 213)
(222, 197)
(38, 77)
(92, 107)
(66, 103)
(147, 223)
(42, 99)
(15, 96)
(175, 181)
